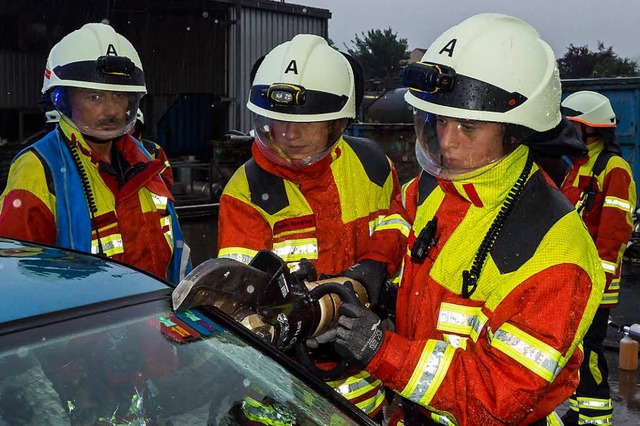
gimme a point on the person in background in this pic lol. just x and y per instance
(153, 149)
(88, 185)
(601, 187)
(501, 280)
(310, 193)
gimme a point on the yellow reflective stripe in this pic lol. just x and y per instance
(618, 203)
(593, 367)
(573, 404)
(429, 372)
(356, 385)
(455, 340)
(168, 235)
(159, 201)
(554, 419)
(481, 320)
(609, 267)
(594, 403)
(602, 420)
(532, 353)
(393, 222)
(609, 298)
(111, 245)
(615, 285)
(373, 224)
(296, 250)
(240, 254)
(457, 318)
(371, 404)
(442, 419)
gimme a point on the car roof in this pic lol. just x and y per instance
(37, 280)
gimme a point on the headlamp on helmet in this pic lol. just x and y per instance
(427, 77)
(117, 65)
(285, 94)
(441, 85)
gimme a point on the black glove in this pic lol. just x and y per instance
(359, 335)
(371, 274)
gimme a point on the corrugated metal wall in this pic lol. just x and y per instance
(257, 32)
(21, 77)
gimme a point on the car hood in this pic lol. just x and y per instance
(37, 280)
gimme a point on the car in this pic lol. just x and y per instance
(87, 340)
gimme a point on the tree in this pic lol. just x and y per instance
(380, 53)
(580, 62)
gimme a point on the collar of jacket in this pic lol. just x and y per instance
(125, 144)
(300, 174)
(491, 188)
(594, 149)
(132, 154)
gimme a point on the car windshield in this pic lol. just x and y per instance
(142, 365)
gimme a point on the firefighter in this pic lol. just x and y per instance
(310, 193)
(601, 187)
(501, 281)
(88, 185)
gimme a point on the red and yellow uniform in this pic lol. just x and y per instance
(509, 353)
(608, 216)
(135, 220)
(334, 212)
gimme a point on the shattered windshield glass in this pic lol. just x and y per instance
(144, 365)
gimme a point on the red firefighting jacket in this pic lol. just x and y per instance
(508, 354)
(610, 219)
(334, 212)
(148, 238)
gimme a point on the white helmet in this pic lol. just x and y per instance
(590, 108)
(95, 58)
(303, 80)
(140, 116)
(490, 67)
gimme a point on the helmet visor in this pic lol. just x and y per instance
(453, 148)
(101, 114)
(296, 144)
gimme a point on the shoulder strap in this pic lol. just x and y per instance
(602, 160)
(267, 190)
(589, 194)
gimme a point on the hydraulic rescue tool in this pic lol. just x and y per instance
(283, 308)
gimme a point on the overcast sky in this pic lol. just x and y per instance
(560, 22)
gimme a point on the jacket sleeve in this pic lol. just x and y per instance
(390, 231)
(27, 205)
(507, 364)
(242, 231)
(616, 218)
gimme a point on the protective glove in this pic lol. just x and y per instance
(371, 274)
(359, 334)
